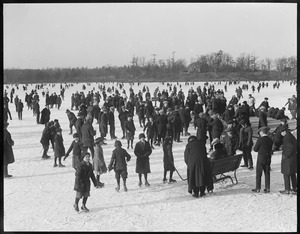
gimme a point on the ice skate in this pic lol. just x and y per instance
(147, 184)
(125, 188)
(117, 188)
(171, 181)
(76, 207)
(165, 180)
(84, 208)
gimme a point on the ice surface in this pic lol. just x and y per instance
(40, 198)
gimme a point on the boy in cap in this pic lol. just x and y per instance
(77, 148)
(118, 163)
(264, 148)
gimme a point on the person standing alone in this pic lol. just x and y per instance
(264, 148)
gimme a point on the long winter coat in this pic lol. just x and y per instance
(98, 161)
(162, 124)
(59, 149)
(45, 115)
(46, 136)
(168, 156)
(83, 174)
(88, 134)
(8, 156)
(72, 118)
(78, 125)
(198, 166)
(216, 128)
(201, 124)
(262, 119)
(264, 148)
(103, 123)
(130, 129)
(151, 129)
(142, 153)
(289, 154)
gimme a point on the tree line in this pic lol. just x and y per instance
(216, 62)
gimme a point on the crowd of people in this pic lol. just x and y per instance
(225, 125)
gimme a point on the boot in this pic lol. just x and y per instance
(117, 188)
(172, 181)
(76, 207)
(83, 207)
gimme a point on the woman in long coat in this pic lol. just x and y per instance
(198, 167)
(82, 185)
(59, 148)
(99, 165)
(8, 156)
(142, 151)
(130, 131)
(168, 159)
(289, 161)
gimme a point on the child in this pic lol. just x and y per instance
(77, 148)
(151, 129)
(82, 185)
(118, 163)
(130, 130)
(168, 159)
(59, 149)
(99, 165)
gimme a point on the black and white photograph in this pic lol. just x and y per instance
(150, 117)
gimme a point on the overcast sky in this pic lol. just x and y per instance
(100, 34)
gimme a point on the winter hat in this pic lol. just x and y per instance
(98, 139)
(284, 128)
(265, 129)
(58, 130)
(142, 135)
(75, 135)
(118, 143)
(192, 138)
(201, 115)
(67, 110)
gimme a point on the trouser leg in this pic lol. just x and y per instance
(259, 170)
(267, 176)
(287, 185)
(294, 180)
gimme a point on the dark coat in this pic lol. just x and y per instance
(245, 139)
(198, 166)
(264, 148)
(88, 134)
(77, 153)
(201, 124)
(216, 128)
(83, 174)
(151, 129)
(118, 159)
(59, 149)
(142, 154)
(161, 124)
(46, 136)
(78, 125)
(130, 129)
(262, 119)
(72, 118)
(45, 115)
(8, 156)
(168, 156)
(289, 154)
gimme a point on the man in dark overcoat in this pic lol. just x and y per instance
(87, 139)
(262, 121)
(8, 156)
(45, 115)
(72, 120)
(78, 124)
(277, 137)
(161, 127)
(264, 148)
(201, 124)
(198, 167)
(142, 152)
(289, 161)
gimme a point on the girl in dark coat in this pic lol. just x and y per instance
(142, 151)
(8, 156)
(198, 167)
(83, 174)
(130, 131)
(168, 159)
(59, 149)
(77, 148)
(118, 163)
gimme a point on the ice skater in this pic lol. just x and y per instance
(118, 163)
(82, 185)
(168, 159)
(77, 148)
(99, 165)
